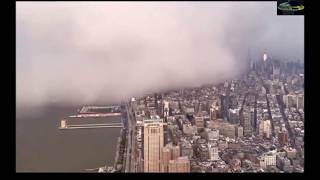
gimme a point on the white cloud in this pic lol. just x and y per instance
(81, 52)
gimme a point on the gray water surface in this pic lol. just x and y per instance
(42, 147)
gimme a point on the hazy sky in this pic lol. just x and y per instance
(81, 52)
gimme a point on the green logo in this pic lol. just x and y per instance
(291, 6)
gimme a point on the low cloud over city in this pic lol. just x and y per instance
(103, 52)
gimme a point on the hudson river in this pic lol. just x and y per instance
(42, 147)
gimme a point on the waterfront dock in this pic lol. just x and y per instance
(64, 125)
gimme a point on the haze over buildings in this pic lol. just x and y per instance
(99, 52)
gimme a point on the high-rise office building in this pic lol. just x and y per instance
(172, 166)
(213, 152)
(233, 115)
(153, 144)
(265, 128)
(239, 131)
(290, 100)
(283, 137)
(199, 120)
(186, 149)
(213, 112)
(212, 135)
(169, 152)
(182, 164)
(276, 71)
(224, 128)
(165, 108)
(175, 152)
(267, 159)
(300, 101)
(228, 130)
(246, 123)
(166, 157)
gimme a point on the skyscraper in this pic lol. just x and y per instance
(175, 152)
(153, 144)
(213, 112)
(300, 101)
(265, 128)
(239, 131)
(283, 137)
(246, 123)
(165, 109)
(169, 152)
(166, 157)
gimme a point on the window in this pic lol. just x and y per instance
(153, 131)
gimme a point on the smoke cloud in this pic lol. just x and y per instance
(103, 52)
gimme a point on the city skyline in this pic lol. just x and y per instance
(159, 87)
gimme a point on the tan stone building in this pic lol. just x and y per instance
(153, 144)
(166, 157)
(182, 164)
